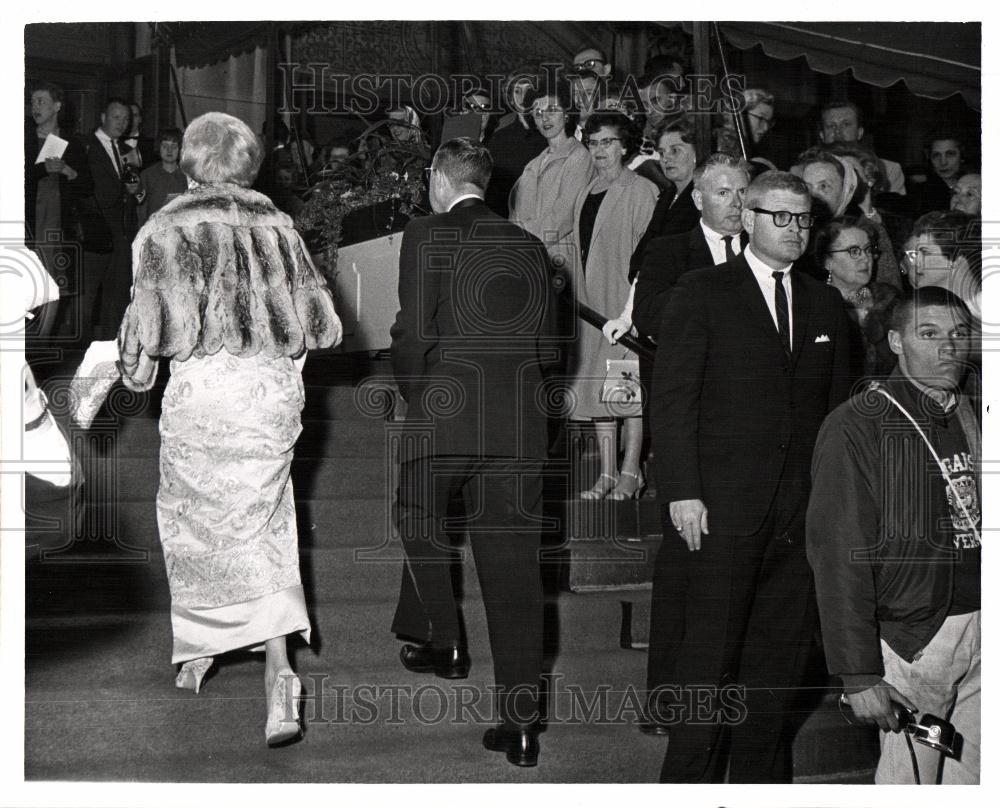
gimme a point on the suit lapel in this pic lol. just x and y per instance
(700, 254)
(754, 300)
(107, 161)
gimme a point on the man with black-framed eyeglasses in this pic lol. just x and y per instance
(591, 60)
(751, 356)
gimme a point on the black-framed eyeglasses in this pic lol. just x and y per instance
(856, 252)
(603, 142)
(588, 64)
(783, 218)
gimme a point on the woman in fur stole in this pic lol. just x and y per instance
(225, 288)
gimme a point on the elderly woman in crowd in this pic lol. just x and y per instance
(542, 199)
(224, 287)
(838, 188)
(847, 248)
(675, 211)
(610, 216)
(967, 195)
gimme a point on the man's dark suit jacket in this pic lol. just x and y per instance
(110, 200)
(732, 416)
(666, 259)
(670, 217)
(512, 147)
(476, 328)
(70, 192)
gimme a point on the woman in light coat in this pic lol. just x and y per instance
(542, 199)
(610, 216)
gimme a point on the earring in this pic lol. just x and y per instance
(829, 277)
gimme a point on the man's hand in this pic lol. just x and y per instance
(132, 188)
(876, 705)
(690, 518)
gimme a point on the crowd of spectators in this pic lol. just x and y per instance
(626, 202)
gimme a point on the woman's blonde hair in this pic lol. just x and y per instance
(220, 148)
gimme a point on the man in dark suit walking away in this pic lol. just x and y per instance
(475, 331)
(752, 356)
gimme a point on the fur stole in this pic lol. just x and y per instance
(220, 267)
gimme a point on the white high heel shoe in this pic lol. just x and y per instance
(283, 709)
(192, 672)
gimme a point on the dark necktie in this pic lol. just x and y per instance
(781, 312)
(730, 253)
(118, 157)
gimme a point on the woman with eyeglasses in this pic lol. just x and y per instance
(838, 187)
(542, 199)
(847, 249)
(610, 216)
(756, 120)
(945, 249)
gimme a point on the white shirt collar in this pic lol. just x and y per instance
(109, 148)
(459, 198)
(761, 269)
(713, 236)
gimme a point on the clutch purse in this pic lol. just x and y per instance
(621, 384)
(93, 380)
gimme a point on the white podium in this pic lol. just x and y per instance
(366, 291)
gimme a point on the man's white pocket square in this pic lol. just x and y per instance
(822, 338)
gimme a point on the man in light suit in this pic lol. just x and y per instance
(475, 330)
(752, 356)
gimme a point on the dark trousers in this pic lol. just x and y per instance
(737, 614)
(502, 500)
(104, 294)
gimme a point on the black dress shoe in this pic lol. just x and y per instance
(448, 663)
(520, 744)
